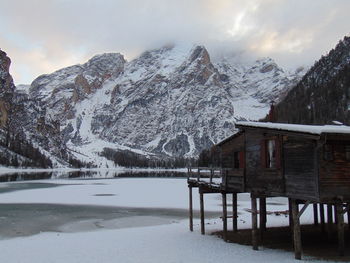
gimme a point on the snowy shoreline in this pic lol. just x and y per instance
(11, 170)
(136, 238)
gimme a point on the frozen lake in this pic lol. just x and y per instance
(34, 206)
(107, 217)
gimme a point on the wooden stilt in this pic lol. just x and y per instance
(254, 222)
(348, 213)
(262, 216)
(340, 228)
(296, 230)
(329, 220)
(315, 214)
(224, 215)
(202, 212)
(290, 214)
(190, 208)
(322, 218)
(234, 212)
(335, 214)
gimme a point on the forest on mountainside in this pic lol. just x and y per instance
(323, 94)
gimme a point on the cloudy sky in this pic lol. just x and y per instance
(41, 36)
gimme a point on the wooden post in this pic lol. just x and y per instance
(262, 216)
(211, 176)
(296, 230)
(202, 212)
(340, 228)
(234, 212)
(335, 214)
(315, 214)
(329, 220)
(254, 222)
(190, 208)
(322, 218)
(224, 215)
(291, 225)
(348, 212)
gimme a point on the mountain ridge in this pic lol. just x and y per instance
(173, 102)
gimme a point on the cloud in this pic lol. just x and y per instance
(41, 36)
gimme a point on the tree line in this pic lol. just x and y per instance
(129, 159)
(18, 152)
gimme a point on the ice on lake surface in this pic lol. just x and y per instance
(79, 201)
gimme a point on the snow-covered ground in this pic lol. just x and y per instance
(158, 243)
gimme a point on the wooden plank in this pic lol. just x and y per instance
(190, 208)
(340, 228)
(296, 230)
(234, 212)
(254, 222)
(201, 198)
(224, 215)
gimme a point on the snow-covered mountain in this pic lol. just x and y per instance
(172, 101)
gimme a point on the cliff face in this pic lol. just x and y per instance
(323, 94)
(173, 101)
(6, 89)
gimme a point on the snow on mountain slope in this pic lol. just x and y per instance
(173, 100)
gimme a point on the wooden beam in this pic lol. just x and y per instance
(190, 208)
(254, 222)
(296, 230)
(234, 212)
(262, 216)
(224, 215)
(315, 214)
(202, 212)
(303, 208)
(340, 228)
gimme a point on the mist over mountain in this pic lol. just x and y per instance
(173, 101)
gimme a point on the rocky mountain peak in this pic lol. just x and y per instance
(171, 101)
(5, 62)
(200, 53)
(6, 88)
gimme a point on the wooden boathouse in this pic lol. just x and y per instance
(308, 164)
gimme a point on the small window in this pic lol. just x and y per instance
(328, 152)
(347, 152)
(270, 154)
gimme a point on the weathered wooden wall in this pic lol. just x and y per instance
(300, 168)
(335, 174)
(267, 181)
(229, 148)
(233, 180)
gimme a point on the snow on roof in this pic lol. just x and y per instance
(311, 129)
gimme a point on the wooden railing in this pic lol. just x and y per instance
(206, 174)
